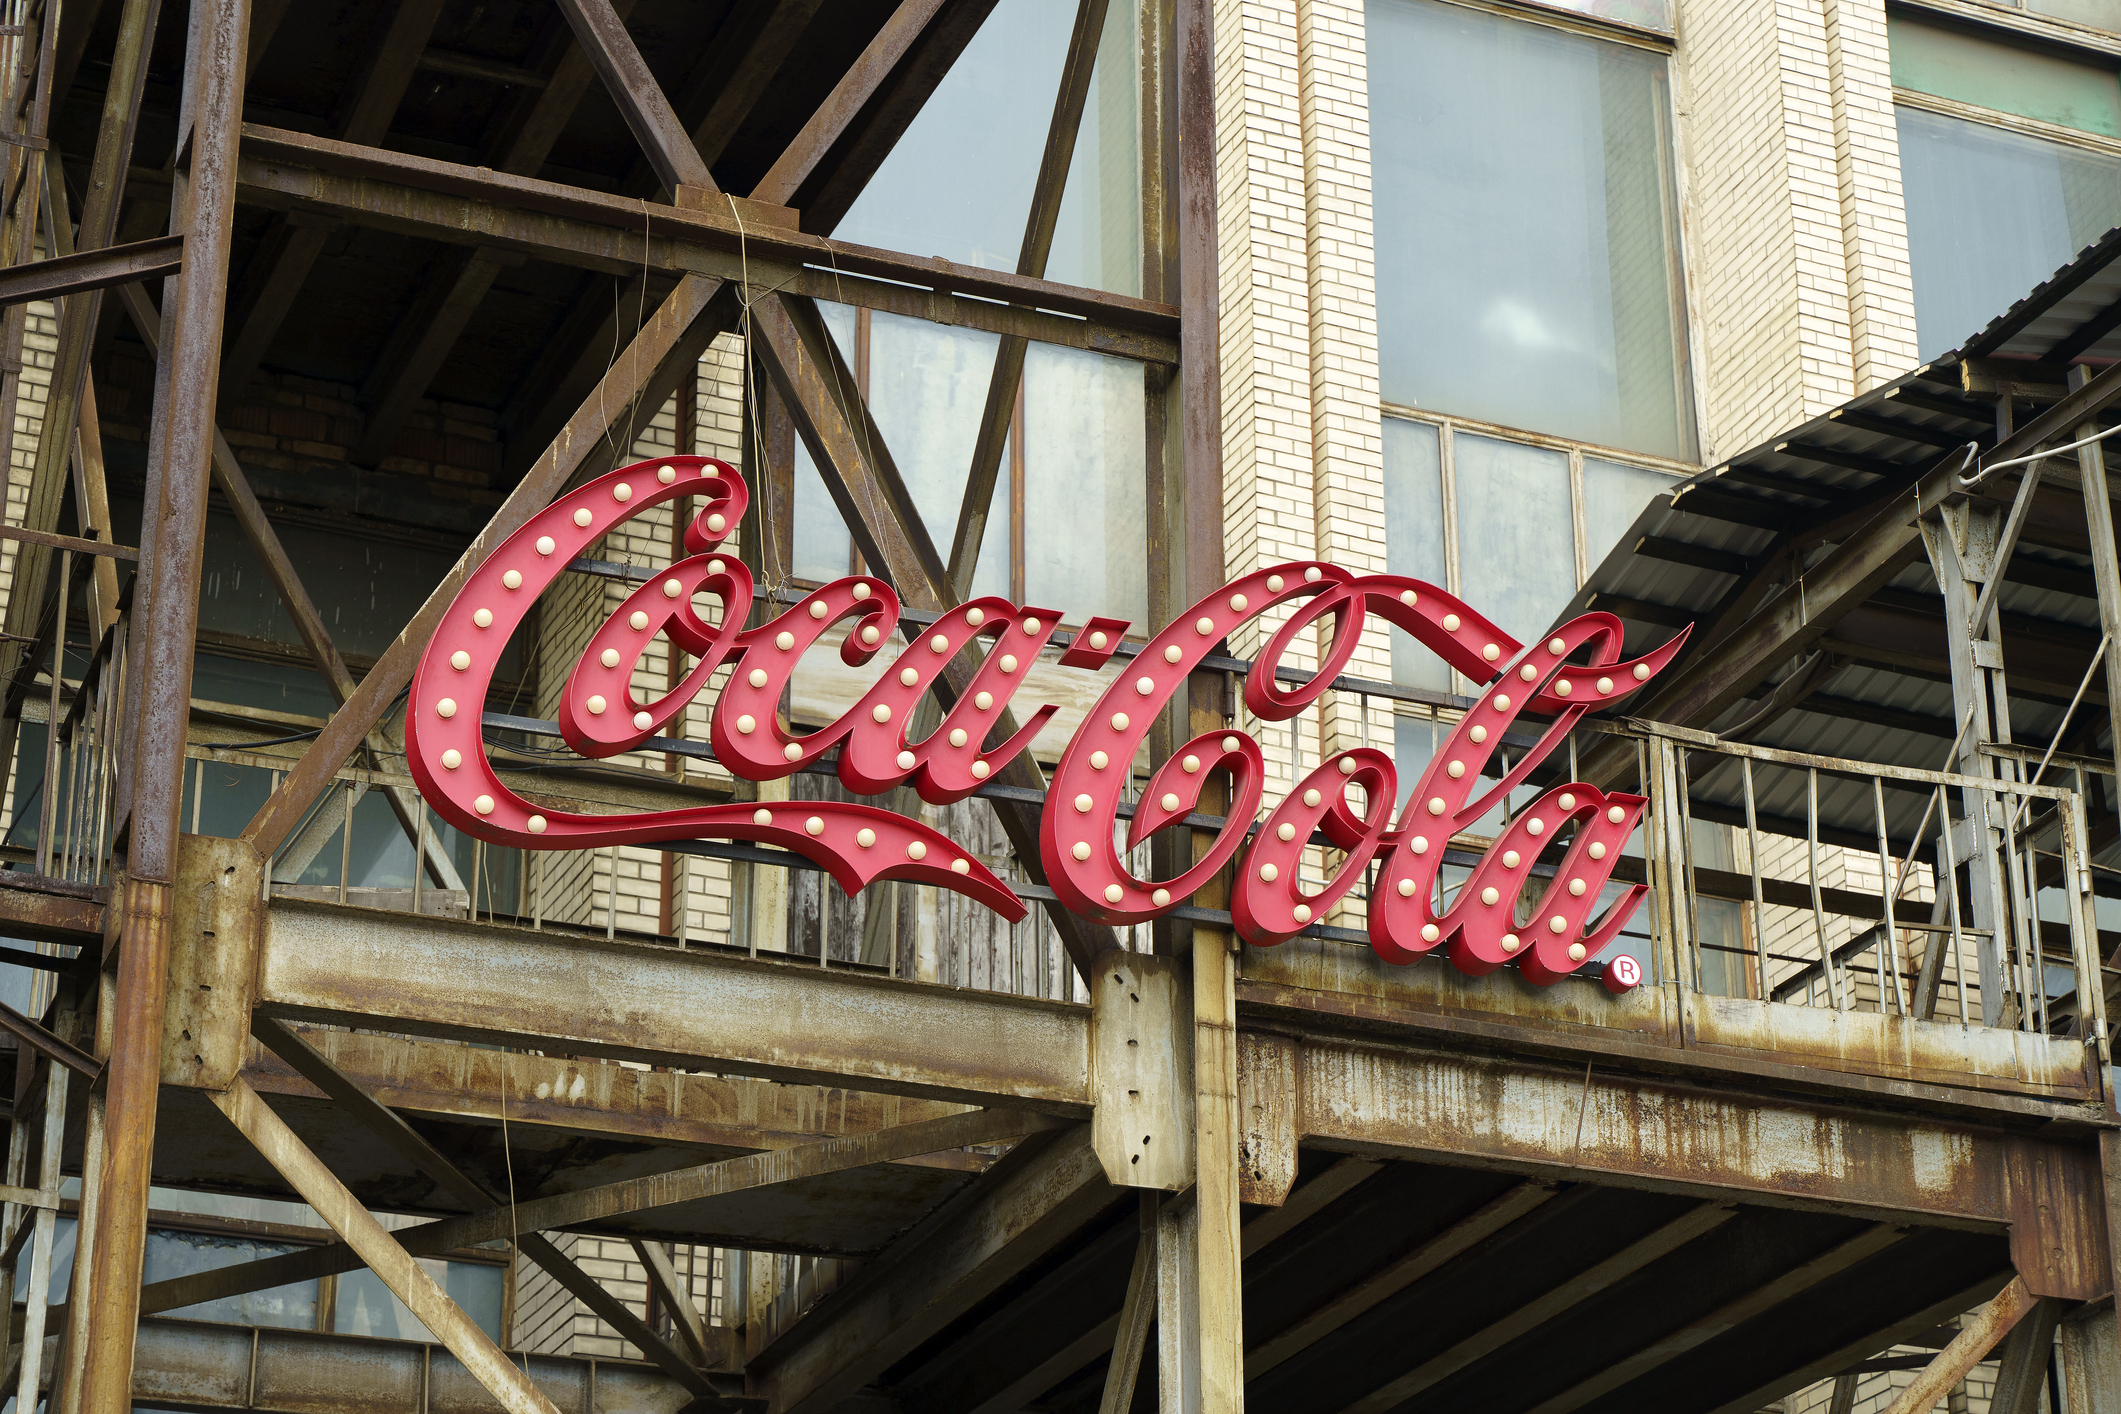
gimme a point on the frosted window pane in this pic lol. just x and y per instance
(1523, 204)
(959, 183)
(927, 390)
(365, 1306)
(1649, 14)
(1414, 537)
(176, 1254)
(823, 548)
(1613, 495)
(1516, 558)
(1086, 514)
(1990, 214)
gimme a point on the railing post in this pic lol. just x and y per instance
(1666, 847)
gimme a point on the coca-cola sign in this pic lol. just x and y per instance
(1499, 916)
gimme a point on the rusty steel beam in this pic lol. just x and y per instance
(428, 1160)
(779, 26)
(805, 154)
(392, 1264)
(691, 1010)
(92, 270)
(636, 94)
(583, 1207)
(174, 532)
(1025, 1208)
(349, 727)
(1976, 1338)
(208, 1365)
(856, 467)
(32, 914)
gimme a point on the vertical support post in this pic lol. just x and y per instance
(1178, 1308)
(202, 209)
(1218, 1285)
(2106, 560)
(1836, 985)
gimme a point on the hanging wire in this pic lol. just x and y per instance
(1982, 473)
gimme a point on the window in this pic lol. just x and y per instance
(2095, 14)
(1526, 231)
(2010, 162)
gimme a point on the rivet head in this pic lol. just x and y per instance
(1230, 745)
(1274, 584)
(814, 825)
(596, 705)
(546, 545)
(1161, 897)
(1557, 924)
(447, 707)
(1032, 626)
(1455, 769)
(1436, 805)
(1083, 804)
(1119, 721)
(1007, 663)
(460, 660)
(1204, 625)
(1576, 952)
(1145, 685)
(642, 721)
(582, 517)
(1312, 797)
(1313, 575)
(870, 634)
(716, 523)
(1616, 815)
(784, 640)
(1430, 932)
(1269, 873)
(746, 724)
(1605, 686)
(666, 474)
(1450, 623)
(610, 658)
(793, 751)
(482, 617)
(762, 817)
(1510, 858)
(1098, 641)
(1419, 844)
(1642, 672)
(451, 759)
(939, 644)
(1489, 896)
(1285, 833)
(1511, 942)
(983, 701)
(1301, 913)
(1190, 765)
(536, 824)
(1238, 602)
(1491, 652)
(1081, 850)
(1576, 888)
(979, 770)
(1169, 801)
(961, 866)
(672, 589)
(1406, 888)
(905, 760)
(622, 492)
(639, 619)
(1597, 850)
(1114, 893)
(917, 850)
(1098, 760)
(957, 736)
(881, 712)
(865, 837)
(1557, 647)
(484, 805)
(511, 579)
